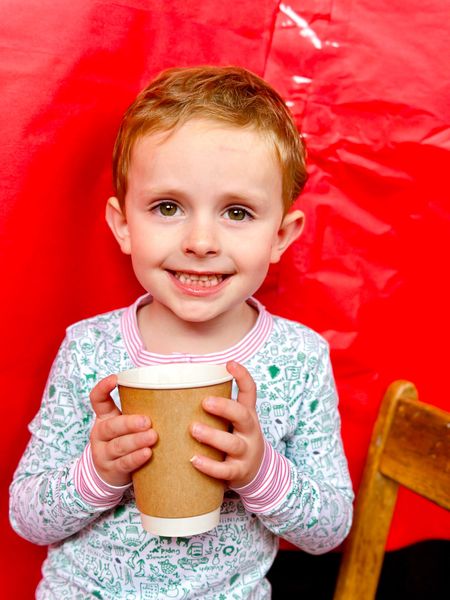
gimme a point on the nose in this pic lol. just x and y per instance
(201, 238)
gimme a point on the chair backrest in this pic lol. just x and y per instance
(410, 446)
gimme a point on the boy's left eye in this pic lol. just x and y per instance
(236, 213)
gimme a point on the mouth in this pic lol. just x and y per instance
(199, 284)
(201, 280)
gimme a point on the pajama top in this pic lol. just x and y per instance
(97, 546)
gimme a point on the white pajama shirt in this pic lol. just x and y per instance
(97, 547)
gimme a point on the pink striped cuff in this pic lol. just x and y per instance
(91, 486)
(271, 484)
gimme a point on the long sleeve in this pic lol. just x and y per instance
(303, 491)
(97, 545)
(45, 506)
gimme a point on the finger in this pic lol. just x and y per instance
(121, 425)
(246, 385)
(130, 462)
(219, 470)
(238, 414)
(101, 401)
(119, 471)
(228, 443)
(127, 444)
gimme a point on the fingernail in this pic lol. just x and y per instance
(144, 422)
(209, 402)
(195, 460)
(196, 430)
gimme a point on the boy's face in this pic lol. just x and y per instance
(203, 218)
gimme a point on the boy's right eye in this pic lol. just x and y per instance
(167, 209)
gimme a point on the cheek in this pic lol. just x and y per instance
(256, 258)
(149, 243)
(254, 251)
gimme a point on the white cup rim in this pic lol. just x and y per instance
(174, 376)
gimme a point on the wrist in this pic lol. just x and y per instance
(270, 485)
(248, 482)
(92, 488)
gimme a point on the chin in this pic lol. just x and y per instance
(196, 318)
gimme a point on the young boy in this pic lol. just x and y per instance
(207, 164)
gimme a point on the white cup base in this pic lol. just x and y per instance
(181, 527)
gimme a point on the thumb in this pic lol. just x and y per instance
(246, 385)
(101, 401)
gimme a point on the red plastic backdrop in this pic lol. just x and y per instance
(369, 84)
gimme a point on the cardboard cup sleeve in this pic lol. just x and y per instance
(173, 497)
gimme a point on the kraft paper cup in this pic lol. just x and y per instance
(175, 499)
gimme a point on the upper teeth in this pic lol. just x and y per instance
(207, 280)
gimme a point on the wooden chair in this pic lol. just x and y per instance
(410, 446)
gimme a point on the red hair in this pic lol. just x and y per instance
(230, 95)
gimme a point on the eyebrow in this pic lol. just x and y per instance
(228, 196)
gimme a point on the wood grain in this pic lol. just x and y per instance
(417, 451)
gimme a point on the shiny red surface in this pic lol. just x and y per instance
(369, 84)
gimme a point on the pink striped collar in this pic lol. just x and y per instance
(240, 352)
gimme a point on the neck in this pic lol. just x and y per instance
(218, 334)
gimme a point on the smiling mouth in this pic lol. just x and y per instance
(203, 280)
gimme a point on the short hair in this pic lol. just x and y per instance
(231, 95)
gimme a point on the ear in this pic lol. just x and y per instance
(116, 219)
(290, 229)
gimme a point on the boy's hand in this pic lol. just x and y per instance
(119, 443)
(244, 447)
